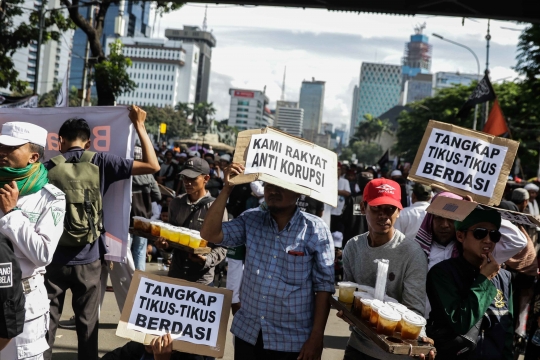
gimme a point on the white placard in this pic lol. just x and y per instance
(187, 313)
(291, 161)
(462, 161)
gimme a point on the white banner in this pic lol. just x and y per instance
(462, 161)
(288, 160)
(104, 121)
(187, 313)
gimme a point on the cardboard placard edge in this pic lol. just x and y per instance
(442, 200)
(179, 345)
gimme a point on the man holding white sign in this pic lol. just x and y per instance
(288, 276)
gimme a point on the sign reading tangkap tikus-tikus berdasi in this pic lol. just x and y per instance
(195, 315)
(464, 161)
(292, 163)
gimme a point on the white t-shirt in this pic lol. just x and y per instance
(343, 184)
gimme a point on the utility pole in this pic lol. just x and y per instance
(486, 106)
(38, 52)
(86, 55)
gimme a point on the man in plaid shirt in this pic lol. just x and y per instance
(288, 274)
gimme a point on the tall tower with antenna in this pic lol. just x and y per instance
(205, 21)
(283, 85)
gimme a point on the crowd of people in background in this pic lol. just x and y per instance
(473, 282)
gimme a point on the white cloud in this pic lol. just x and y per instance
(254, 44)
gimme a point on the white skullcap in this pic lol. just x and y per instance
(396, 173)
(19, 133)
(532, 187)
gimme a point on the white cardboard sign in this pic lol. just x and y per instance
(465, 162)
(288, 160)
(462, 161)
(187, 313)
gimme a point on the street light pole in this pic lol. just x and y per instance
(477, 68)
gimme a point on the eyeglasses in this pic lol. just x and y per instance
(481, 233)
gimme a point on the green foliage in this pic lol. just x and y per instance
(184, 109)
(177, 126)
(442, 107)
(371, 128)
(16, 37)
(528, 58)
(49, 99)
(366, 152)
(113, 71)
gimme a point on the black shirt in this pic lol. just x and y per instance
(12, 298)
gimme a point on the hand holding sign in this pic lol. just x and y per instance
(161, 347)
(231, 171)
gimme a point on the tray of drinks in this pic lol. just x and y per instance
(392, 341)
(201, 250)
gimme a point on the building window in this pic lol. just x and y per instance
(55, 72)
(242, 109)
(243, 102)
(241, 121)
(242, 116)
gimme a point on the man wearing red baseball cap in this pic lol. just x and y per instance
(407, 268)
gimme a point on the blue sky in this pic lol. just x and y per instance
(254, 44)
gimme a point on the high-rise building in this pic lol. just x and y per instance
(249, 109)
(379, 89)
(443, 80)
(417, 59)
(312, 101)
(55, 55)
(417, 88)
(206, 41)
(165, 71)
(289, 117)
(354, 111)
(417, 80)
(127, 18)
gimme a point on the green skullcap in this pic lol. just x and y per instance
(479, 216)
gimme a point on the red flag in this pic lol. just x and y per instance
(496, 124)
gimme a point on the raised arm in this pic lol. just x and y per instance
(149, 163)
(211, 229)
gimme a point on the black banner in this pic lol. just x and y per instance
(482, 93)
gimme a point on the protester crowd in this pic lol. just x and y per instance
(474, 281)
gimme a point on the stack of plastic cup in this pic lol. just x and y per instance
(194, 239)
(175, 234)
(346, 291)
(155, 227)
(184, 236)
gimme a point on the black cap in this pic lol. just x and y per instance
(12, 298)
(194, 167)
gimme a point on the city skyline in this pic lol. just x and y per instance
(253, 49)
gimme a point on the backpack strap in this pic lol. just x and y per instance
(59, 159)
(88, 210)
(87, 156)
(196, 208)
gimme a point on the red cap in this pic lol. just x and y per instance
(383, 192)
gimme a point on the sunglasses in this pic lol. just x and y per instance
(481, 233)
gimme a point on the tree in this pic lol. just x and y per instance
(94, 33)
(177, 126)
(20, 36)
(371, 128)
(528, 58)
(113, 72)
(184, 109)
(49, 99)
(201, 113)
(366, 152)
(442, 107)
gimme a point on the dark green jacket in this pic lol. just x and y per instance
(459, 296)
